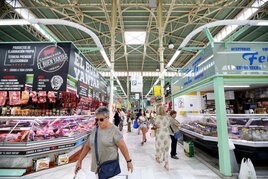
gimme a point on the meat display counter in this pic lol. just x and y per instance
(248, 132)
(28, 142)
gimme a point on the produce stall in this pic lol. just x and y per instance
(225, 78)
(48, 95)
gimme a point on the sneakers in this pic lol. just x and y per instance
(175, 157)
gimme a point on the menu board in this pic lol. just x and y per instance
(12, 82)
(82, 89)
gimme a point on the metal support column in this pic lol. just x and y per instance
(209, 36)
(128, 91)
(222, 130)
(112, 51)
(161, 48)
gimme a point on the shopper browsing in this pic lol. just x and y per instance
(162, 143)
(108, 140)
(143, 126)
(173, 128)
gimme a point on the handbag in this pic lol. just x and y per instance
(177, 135)
(136, 124)
(108, 168)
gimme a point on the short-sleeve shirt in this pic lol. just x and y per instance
(107, 148)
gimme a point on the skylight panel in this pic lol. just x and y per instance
(135, 37)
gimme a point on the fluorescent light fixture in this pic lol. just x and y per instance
(135, 37)
(262, 23)
(174, 57)
(236, 86)
(14, 22)
(210, 57)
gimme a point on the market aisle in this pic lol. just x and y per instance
(145, 167)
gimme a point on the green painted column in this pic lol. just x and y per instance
(223, 144)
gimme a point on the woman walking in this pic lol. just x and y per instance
(143, 126)
(108, 141)
(162, 143)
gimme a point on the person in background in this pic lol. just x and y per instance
(143, 126)
(137, 118)
(117, 118)
(109, 141)
(173, 128)
(132, 116)
(162, 123)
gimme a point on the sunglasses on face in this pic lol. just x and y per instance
(100, 119)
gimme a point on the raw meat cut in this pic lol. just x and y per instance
(14, 98)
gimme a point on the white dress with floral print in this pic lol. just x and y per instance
(162, 142)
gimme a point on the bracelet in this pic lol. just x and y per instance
(129, 161)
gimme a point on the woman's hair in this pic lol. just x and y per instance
(102, 110)
(172, 112)
(161, 111)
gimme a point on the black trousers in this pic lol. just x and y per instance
(173, 146)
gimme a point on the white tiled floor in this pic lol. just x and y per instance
(145, 167)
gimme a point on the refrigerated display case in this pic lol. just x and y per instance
(248, 132)
(25, 139)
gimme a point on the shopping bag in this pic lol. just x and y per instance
(252, 169)
(247, 170)
(135, 124)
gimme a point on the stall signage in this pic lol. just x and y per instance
(12, 82)
(81, 69)
(51, 67)
(82, 89)
(201, 67)
(241, 58)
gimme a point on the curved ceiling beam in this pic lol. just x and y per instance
(200, 29)
(66, 23)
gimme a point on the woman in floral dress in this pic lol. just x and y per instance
(162, 143)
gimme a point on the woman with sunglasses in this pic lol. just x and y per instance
(109, 141)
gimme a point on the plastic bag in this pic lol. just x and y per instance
(247, 170)
(231, 145)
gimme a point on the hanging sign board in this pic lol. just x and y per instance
(136, 84)
(137, 96)
(157, 90)
(241, 58)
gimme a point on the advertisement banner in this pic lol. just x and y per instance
(157, 90)
(46, 61)
(136, 84)
(82, 70)
(241, 58)
(51, 67)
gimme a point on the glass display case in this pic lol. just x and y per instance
(33, 129)
(249, 127)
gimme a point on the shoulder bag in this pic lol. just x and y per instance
(108, 168)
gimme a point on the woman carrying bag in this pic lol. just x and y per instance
(104, 142)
